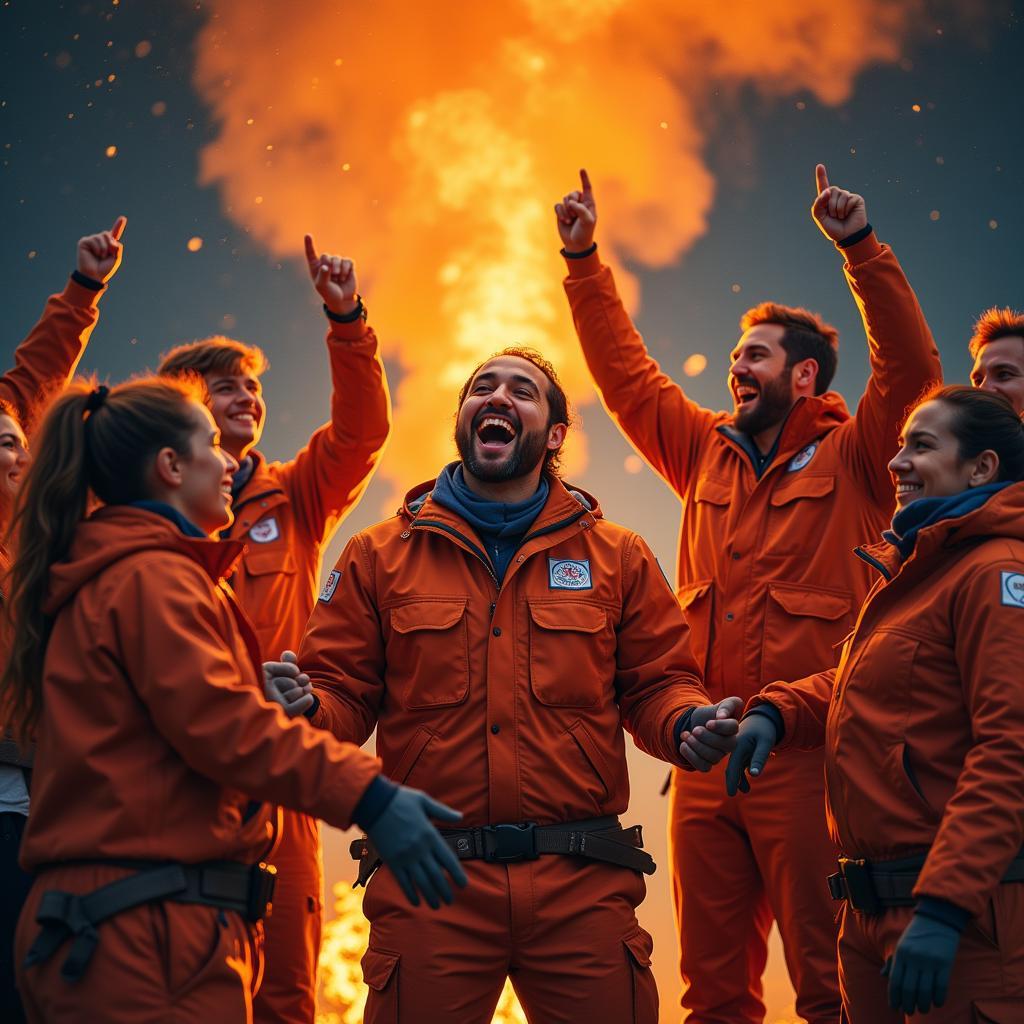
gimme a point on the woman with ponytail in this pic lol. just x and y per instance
(923, 728)
(158, 760)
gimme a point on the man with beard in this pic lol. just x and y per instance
(998, 350)
(499, 633)
(775, 496)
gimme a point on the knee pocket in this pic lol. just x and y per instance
(639, 946)
(380, 973)
(997, 1011)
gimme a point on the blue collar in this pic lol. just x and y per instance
(908, 522)
(497, 518)
(161, 508)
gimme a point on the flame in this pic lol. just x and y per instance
(342, 992)
(429, 142)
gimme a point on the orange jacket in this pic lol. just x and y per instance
(923, 720)
(47, 358)
(507, 703)
(764, 573)
(154, 733)
(287, 511)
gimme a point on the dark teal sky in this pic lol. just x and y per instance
(961, 155)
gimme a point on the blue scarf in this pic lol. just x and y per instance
(161, 508)
(501, 525)
(908, 522)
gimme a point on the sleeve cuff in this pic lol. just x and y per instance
(774, 715)
(943, 911)
(681, 726)
(583, 264)
(355, 330)
(374, 802)
(860, 251)
(85, 296)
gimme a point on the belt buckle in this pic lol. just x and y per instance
(262, 878)
(860, 890)
(508, 844)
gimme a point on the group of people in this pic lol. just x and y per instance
(182, 699)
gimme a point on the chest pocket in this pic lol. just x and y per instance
(270, 571)
(804, 628)
(428, 653)
(572, 653)
(799, 512)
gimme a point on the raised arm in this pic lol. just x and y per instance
(45, 361)
(665, 427)
(902, 352)
(328, 476)
(343, 649)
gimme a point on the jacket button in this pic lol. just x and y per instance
(729, 616)
(406, 535)
(263, 504)
(497, 630)
(495, 729)
(735, 556)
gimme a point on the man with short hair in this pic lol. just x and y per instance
(998, 350)
(775, 496)
(499, 633)
(287, 512)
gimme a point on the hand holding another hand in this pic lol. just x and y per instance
(711, 733)
(286, 684)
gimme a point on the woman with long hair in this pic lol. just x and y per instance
(923, 728)
(158, 761)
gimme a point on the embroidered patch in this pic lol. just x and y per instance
(569, 574)
(1012, 588)
(802, 457)
(330, 586)
(265, 531)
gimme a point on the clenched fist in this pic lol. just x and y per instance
(837, 212)
(99, 256)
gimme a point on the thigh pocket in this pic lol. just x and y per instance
(997, 1011)
(639, 946)
(194, 941)
(380, 972)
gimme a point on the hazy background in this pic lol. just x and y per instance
(428, 142)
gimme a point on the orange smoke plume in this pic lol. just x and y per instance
(429, 142)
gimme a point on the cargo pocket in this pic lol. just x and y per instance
(572, 653)
(380, 973)
(798, 514)
(696, 601)
(428, 653)
(645, 993)
(592, 754)
(998, 1011)
(274, 568)
(802, 625)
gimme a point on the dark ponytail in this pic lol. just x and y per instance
(91, 442)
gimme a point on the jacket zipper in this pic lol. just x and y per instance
(873, 562)
(476, 550)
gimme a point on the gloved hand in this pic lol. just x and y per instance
(921, 964)
(754, 743)
(711, 733)
(414, 850)
(286, 684)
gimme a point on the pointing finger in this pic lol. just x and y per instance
(585, 181)
(821, 178)
(311, 257)
(119, 225)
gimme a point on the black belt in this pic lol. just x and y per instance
(872, 887)
(244, 888)
(602, 839)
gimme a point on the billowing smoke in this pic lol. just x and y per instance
(429, 141)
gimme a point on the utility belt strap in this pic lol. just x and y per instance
(602, 839)
(873, 887)
(246, 889)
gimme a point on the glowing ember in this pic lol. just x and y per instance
(342, 996)
(194, 244)
(633, 464)
(111, 151)
(695, 365)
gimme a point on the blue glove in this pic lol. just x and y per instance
(754, 743)
(921, 964)
(414, 850)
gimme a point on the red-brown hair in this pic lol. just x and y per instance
(997, 322)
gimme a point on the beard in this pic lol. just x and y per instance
(771, 406)
(527, 452)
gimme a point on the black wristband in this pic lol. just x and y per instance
(87, 282)
(313, 708)
(857, 236)
(580, 255)
(359, 313)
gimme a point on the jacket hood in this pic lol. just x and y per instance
(560, 493)
(812, 417)
(117, 531)
(1002, 516)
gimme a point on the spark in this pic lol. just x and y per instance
(695, 365)
(111, 151)
(194, 244)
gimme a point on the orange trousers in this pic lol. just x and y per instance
(987, 984)
(564, 930)
(170, 962)
(740, 862)
(293, 929)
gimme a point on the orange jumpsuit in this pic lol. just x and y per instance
(154, 739)
(922, 725)
(286, 513)
(768, 588)
(508, 703)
